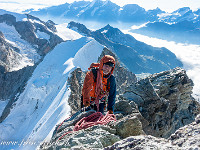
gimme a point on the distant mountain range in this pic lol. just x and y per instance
(99, 10)
(137, 56)
(181, 25)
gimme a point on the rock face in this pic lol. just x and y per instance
(27, 31)
(148, 112)
(165, 101)
(9, 55)
(12, 82)
(76, 84)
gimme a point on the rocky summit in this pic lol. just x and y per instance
(152, 113)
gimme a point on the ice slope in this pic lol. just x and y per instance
(44, 102)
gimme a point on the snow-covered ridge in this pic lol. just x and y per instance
(45, 96)
(66, 33)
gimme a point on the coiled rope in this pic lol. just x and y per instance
(93, 119)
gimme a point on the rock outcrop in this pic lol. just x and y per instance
(188, 136)
(148, 112)
(164, 100)
(9, 55)
(95, 137)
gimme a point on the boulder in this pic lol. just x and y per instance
(128, 126)
(124, 107)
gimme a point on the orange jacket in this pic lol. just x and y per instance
(91, 88)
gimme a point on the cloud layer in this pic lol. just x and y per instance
(188, 54)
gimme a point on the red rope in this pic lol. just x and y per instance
(93, 119)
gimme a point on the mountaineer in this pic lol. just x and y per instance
(99, 88)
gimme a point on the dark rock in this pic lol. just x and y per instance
(12, 83)
(124, 107)
(51, 25)
(129, 126)
(8, 19)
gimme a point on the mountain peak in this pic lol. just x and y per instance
(183, 10)
(96, 3)
(108, 26)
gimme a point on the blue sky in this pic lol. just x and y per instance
(166, 5)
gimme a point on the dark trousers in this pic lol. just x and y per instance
(101, 107)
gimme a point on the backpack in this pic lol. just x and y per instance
(94, 67)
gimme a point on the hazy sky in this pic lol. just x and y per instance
(166, 5)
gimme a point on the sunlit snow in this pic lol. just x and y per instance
(66, 33)
(42, 35)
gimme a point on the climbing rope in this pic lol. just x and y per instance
(68, 119)
(93, 119)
